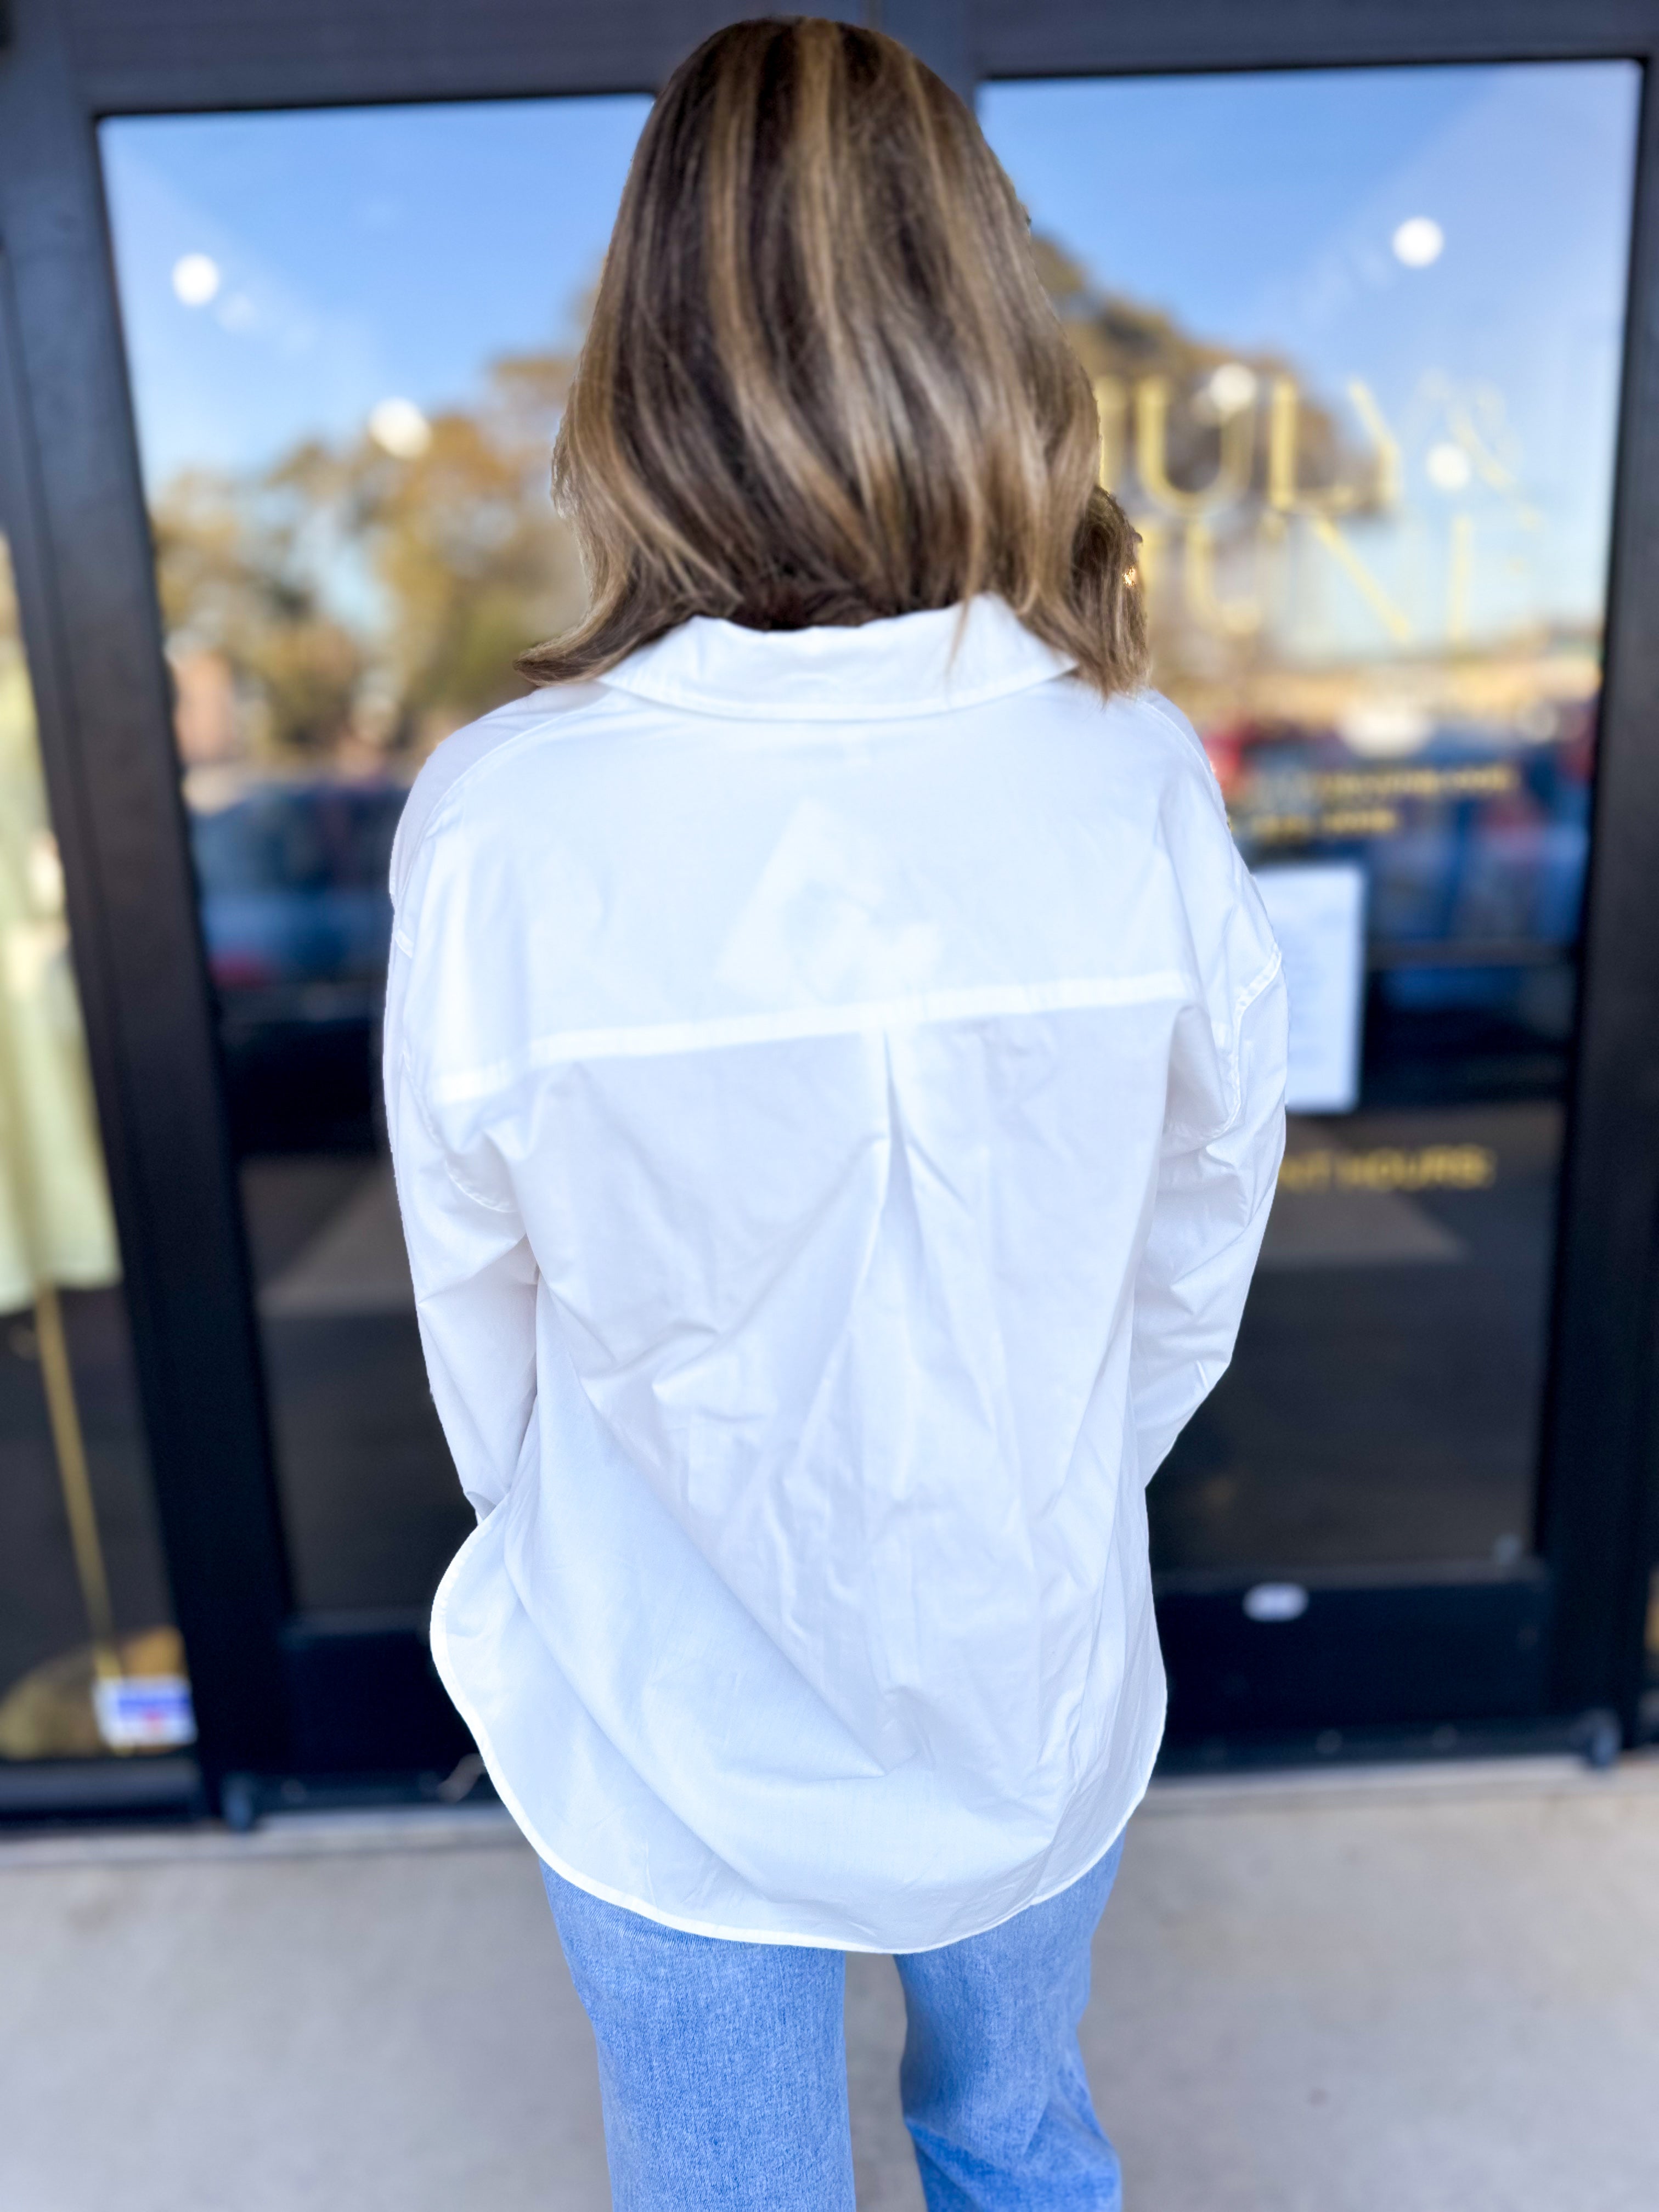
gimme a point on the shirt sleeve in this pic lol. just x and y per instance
(474, 1275)
(1217, 1172)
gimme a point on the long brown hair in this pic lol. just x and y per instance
(823, 383)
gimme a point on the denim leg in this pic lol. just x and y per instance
(722, 2064)
(994, 2094)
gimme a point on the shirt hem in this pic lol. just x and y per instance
(447, 1675)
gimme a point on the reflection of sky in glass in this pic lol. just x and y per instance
(1259, 211)
(362, 255)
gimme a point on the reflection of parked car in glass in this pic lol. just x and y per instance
(298, 920)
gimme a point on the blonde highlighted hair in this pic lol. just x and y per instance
(823, 383)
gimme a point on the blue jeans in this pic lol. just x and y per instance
(723, 2071)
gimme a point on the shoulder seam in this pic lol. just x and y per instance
(1189, 741)
(450, 803)
(1177, 724)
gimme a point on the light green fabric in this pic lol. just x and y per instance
(55, 1219)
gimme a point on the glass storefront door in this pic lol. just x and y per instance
(348, 338)
(1355, 337)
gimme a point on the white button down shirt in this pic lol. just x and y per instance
(834, 1080)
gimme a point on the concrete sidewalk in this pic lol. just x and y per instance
(1409, 1990)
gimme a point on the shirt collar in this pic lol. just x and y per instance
(922, 664)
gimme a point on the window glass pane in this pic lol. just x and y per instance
(350, 335)
(1355, 338)
(89, 1661)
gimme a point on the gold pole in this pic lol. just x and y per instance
(70, 1447)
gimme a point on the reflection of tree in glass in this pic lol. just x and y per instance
(345, 605)
(238, 605)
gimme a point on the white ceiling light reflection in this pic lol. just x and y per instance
(1448, 467)
(1385, 729)
(1419, 241)
(1231, 388)
(195, 279)
(398, 427)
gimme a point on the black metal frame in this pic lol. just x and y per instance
(275, 1694)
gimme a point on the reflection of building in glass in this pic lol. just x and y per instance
(1364, 695)
(1213, 452)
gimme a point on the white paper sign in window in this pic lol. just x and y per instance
(1318, 915)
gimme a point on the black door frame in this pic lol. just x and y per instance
(281, 1695)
